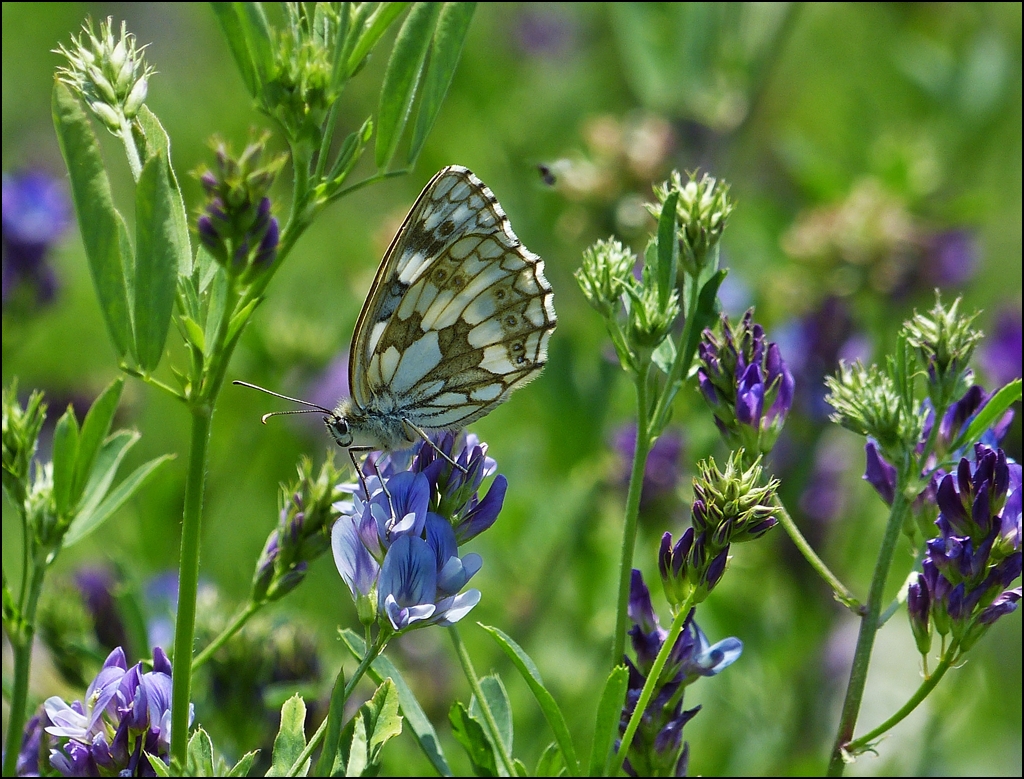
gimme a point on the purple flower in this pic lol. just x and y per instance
(36, 213)
(951, 258)
(124, 721)
(746, 383)
(663, 469)
(1000, 353)
(397, 549)
(657, 748)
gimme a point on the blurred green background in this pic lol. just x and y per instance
(874, 153)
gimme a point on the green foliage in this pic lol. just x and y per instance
(291, 738)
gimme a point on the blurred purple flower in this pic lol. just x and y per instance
(825, 495)
(97, 585)
(543, 31)
(663, 469)
(36, 213)
(1000, 353)
(950, 258)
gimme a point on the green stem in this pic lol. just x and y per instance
(636, 483)
(372, 652)
(839, 590)
(188, 582)
(325, 145)
(948, 658)
(869, 627)
(650, 685)
(474, 685)
(22, 647)
(237, 623)
(680, 366)
(131, 150)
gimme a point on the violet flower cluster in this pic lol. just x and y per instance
(746, 383)
(397, 541)
(658, 748)
(964, 584)
(36, 213)
(123, 723)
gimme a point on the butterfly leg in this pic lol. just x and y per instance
(419, 431)
(359, 470)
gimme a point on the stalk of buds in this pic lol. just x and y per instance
(702, 209)
(945, 340)
(108, 72)
(236, 225)
(730, 507)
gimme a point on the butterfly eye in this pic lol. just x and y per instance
(339, 429)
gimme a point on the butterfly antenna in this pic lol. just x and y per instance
(313, 406)
(267, 416)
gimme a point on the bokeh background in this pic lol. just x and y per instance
(874, 153)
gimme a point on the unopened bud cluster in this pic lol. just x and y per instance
(945, 340)
(303, 531)
(702, 209)
(236, 225)
(730, 506)
(108, 72)
(867, 402)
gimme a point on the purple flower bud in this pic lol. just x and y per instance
(750, 397)
(1005, 603)
(266, 252)
(879, 473)
(641, 610)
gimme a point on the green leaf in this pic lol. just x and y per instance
(103, 230)
(244, 766)
(416, 719)
(990, 413)
(664, 355)
(86, 522)
(94, 432)
(200, 754)
(65, 453)
(401, 78)
(231, 25)
(609, 712)
(528, 669)
(157, 139)
(349, 154)
(707, 309)
(108, 460)
(550, 762)
(445, 50)
(259, 41)
(218, 299)
(291, 738)
(335, 717)
(497, 701)
(470, 734)
(160, 768)
(158, 250)
(370, 31)
(376, 723)
(668, 250)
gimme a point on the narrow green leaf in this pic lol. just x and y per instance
(520, 767)
(664, 355)
(94, 432)
(231, 25)
(194, 333)
(668, 249)
(157, 138)
(445, 50)
(160, 768)
(218, 299)
(417, 720)
(528, 669)
(335, 718)
(468, 732)
(609, 713)
(369, 30)
(200, 754)
(244, 766)
(239, 318)
(990, 413)
(259, 41)
(497, 701)
(85, 522)
(157, 254)
(65, 452)
(707, 309)
(112, 451)
(382, 714)
(550, 762)
(103, 230)
(350, 152)
(291, 737)
(401, 78)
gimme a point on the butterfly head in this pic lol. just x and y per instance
(340, 429)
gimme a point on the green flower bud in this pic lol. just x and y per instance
(703, 210)
(866, 401)
(945, 340)
(606, 273)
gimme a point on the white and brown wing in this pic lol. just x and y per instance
(459, 313)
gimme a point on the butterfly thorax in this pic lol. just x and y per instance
(375, 429)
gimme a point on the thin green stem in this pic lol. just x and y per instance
(243, 616)
(367, 181)
(148, 378)
(474, 685)
(869, 626)
(372, 652)
(636, 483)
(948, 658)
(325, 144)
(188, 581)
(131, 150)
(839, 590)
(650, 685)
(21, 644)
(680, 365)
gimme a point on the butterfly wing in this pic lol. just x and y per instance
(459, 314)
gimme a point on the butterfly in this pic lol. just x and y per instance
(458, 317)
